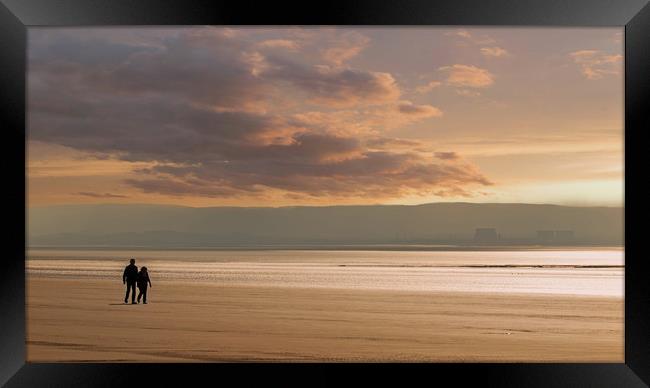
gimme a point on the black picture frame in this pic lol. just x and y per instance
(17, 15)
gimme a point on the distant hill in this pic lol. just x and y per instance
(436, 223)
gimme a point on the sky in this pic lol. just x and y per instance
(267, 116)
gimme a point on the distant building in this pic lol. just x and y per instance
(555, 235)
(486, 235)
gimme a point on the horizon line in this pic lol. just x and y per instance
(321, 206)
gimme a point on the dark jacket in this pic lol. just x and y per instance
(143, 279)
(130, 273)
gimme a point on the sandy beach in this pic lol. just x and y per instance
(86, 321)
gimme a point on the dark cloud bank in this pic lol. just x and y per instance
(201, 104)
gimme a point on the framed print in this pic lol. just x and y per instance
(386, 191)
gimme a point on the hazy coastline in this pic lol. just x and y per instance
(434, 226)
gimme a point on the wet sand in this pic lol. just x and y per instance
(86, 321)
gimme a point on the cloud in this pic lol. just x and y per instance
(467, 76)
(388, 143)
(212, 114)
(471, 38)
(377, 174)
(368, 121)
(468, 93)
(345, 122)
(494, 52)
(423, 111)
(279, 43)
(595, 64)
(336, 86)
(226, 154)
(446, 155)
(205, 66)
(428, 87)
(345, 47)
(460, 33)
(454, 192)
(201, 65)
(100, 195)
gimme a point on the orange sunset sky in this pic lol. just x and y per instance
(212, 116)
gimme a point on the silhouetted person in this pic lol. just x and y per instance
(143, 279)
(129, 277)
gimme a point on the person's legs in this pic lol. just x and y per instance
(144, 295)
(139, 295)
(128, 289)
(133, 294)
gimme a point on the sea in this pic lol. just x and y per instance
(571, 271)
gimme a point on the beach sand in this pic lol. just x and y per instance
(86, 321)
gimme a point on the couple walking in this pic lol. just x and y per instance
(131, 277)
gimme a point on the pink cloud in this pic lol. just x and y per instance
(345, 47)
(494, 52)
(447, 155)
(423, 111)
(279, 43)
(467, 76)
(428, 87)
(594, 64)
(336, 86)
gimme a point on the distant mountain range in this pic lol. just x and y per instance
(158, 226)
